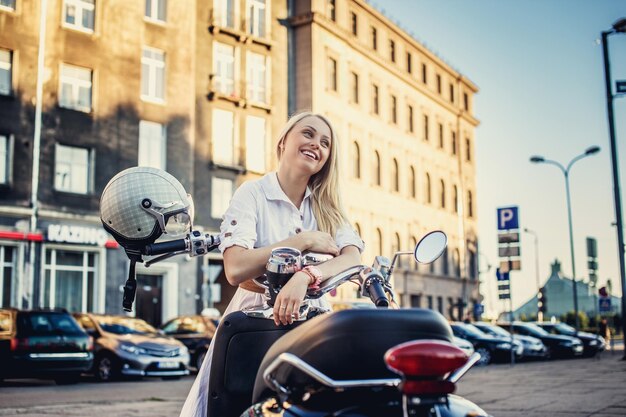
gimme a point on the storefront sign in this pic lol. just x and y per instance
(77, 234)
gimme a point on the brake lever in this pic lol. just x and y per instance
(163, 257)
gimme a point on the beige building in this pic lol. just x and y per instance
(407, 134)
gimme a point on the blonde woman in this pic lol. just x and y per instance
(297, 206)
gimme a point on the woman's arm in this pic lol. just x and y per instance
(241, 264)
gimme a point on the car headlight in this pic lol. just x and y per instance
(135, 350)
(503, 345)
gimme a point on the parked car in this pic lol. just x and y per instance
(533, 347)
(43, 344)
(464, 345)
(558, 346)
(131, 347)
(592, 343)
(195, 332)
(491, 348)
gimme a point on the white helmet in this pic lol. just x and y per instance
(139, 204)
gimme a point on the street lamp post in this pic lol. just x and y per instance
(540, 159)
(618, 27)
(527, 230)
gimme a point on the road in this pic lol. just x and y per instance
(573, 388)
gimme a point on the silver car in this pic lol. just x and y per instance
(130, 346)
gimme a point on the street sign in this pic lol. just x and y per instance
(604, 304)
(508, 238)
(504, 296)
(507, 251)
(504, 287)
(508, 218)
(621, 86)
(514, 265)
(592, 247)
(502, 276)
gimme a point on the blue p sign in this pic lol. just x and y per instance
(508, 218)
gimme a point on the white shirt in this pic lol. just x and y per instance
(261, 214)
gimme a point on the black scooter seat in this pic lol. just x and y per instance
(348, 345)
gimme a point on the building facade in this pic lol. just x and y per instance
(202, 89)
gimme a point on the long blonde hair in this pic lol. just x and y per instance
(326, 200)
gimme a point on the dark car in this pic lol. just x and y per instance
(491, 348)
(533, 347)
(195, 332)
(130, 346)
(43, 344)
(558, 346)
(592, 343)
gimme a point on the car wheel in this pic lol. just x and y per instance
(200, 359)
(106, 368)
(485, 356)
(68, 379)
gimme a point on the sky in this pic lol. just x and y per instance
(539, 67)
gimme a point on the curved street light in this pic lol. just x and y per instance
(540, 159)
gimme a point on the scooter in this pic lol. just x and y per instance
(375, 362)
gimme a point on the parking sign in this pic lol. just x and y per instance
(508, 218)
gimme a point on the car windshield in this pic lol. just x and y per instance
(534, 330)
(565, 329)
(495, 330)
(472, 330)
(125, 325)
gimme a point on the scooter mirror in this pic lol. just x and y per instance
(430, 247)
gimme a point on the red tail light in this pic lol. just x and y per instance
(18, 344)
(424, 364)
(90, 344)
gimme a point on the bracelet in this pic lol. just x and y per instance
(315, 274)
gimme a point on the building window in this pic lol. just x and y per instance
(455, 199)
(472, 265)
(465, 101)
(410, 119)
(416, 301)
(221, 194)
(412, 185)
(375, 108)
(392, 51)
(224, 13)
(396, 248)
(409, 63)
(70, 279)
(72, 169)
(153, 74)
(75, 88)
(445, 265)
(356, 160)
(428, 195)
(7, 4)
(395, 175)
(152, 145)
(456, 260)
(223, 137)
(374, 38)
(6, 64)
(426, 132)
(377, 176)
(257, 77)
(332, 10)
(5, 159)
(355, 23)
(440, 126)
(442, 194)
(438, 78)
(429, 300)
(156, 9)
(379, 241)
(332, 74)
(355, 87)
(8, 261)
(452, 93)
(440, 304)
(424, 74)
(79, 14)
(468, 149)
(470, 205)
(224, 69)
(453, 143)
(394, 110)
(256, 135)
(257, 13)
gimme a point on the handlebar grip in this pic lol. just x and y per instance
(377, 294)
(166, 247)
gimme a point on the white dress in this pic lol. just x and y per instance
(259, 215)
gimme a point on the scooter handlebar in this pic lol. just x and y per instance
(166, 247)
(377, 294)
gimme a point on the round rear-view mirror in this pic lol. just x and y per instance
(430, 247)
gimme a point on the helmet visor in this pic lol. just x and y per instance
(180, 222)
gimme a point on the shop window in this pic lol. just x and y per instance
(70, 279)
(8, 278)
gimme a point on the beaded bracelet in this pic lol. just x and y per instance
(315, 274)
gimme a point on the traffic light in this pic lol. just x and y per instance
(542, 300)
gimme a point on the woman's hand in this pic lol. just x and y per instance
(289, 298)
(321, 242)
